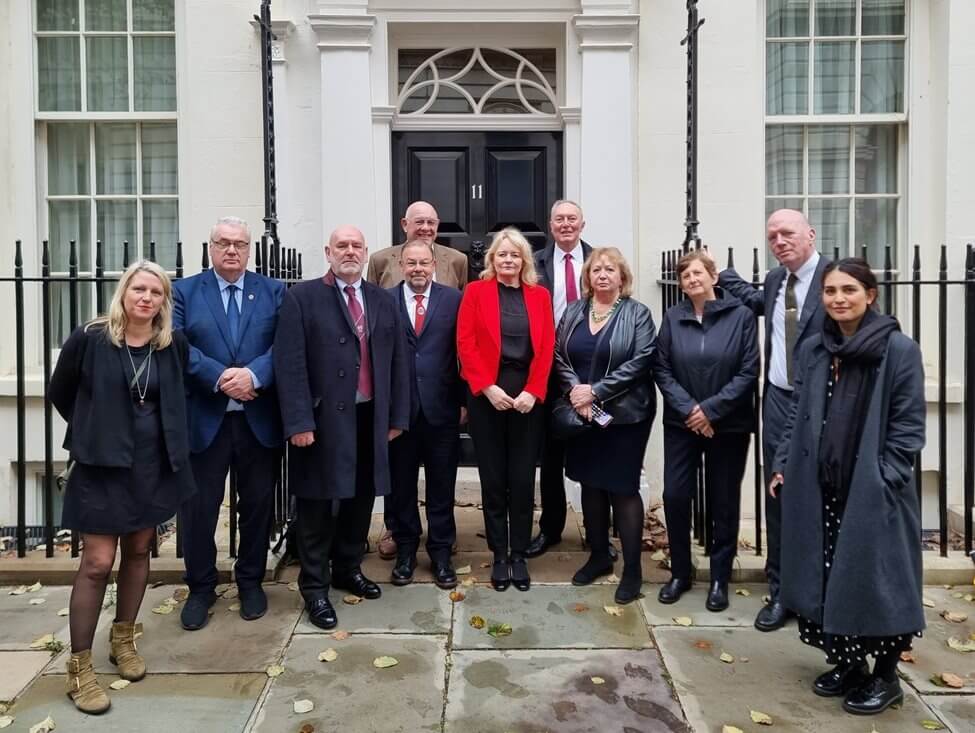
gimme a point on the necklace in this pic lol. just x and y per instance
(596, 317)
(146, 366)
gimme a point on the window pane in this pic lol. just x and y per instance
(834, 78)
(57, 15)
(831, 220)
(108, 74)
(69, 220)
(155, 73)
(159, 169)
(116, 224)
(787, 78)
(115, 159)
(882, 18)
(836, 17)
(876, 159)
(153, 15)
(783, 159)
(829, 159)
(882, 82)
(67, 159)
(58, 74)
(160, 225)
(876, 227)
(787, 18)
(105, 15)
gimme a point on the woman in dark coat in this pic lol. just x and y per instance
(119, 385)
(706, 366)
(602, 356)
(847, 456)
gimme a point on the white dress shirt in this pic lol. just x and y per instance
(777, 372)
(409, 297)
(559, 303)
(232, 404)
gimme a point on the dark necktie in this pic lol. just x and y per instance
(233, 313)
(791, 323)
(571, 287)
(421, 313)
(364, 386)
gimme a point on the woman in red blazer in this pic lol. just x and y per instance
(505, 339)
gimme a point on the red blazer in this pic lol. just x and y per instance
(479, 336)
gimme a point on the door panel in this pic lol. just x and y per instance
(517, 192)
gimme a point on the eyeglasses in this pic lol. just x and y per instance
(224, 244)
(417, 263)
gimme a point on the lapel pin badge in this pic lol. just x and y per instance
(250, 296)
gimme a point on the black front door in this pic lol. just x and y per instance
(479, 182)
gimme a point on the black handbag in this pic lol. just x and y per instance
(565, 421)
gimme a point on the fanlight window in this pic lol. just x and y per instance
(479, 81)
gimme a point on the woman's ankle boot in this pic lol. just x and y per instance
(83, 687)
(124, 654)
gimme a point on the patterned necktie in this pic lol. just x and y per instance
(233, 312)
(571, 286)
(791, 323)
(421, 313)
(364, 386)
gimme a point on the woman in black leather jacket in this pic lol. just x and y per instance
(603, 352)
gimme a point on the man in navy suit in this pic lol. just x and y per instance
(428, 315)
(791, 302)
(229, 316)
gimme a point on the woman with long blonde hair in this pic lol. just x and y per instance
(119, 386)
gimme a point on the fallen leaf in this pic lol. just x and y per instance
(37, 601)
(683, 621)
(340, 635)
(580, 608)
(303, 706)
(233, 607)
(961, 646)
(163, 609)
(352, 600)
(293, 585)
(6, 721)
(703, 644)
(931, 725)
(957, 595)
(457, 596)
(171, 602)
(927, 602)
(731, 729)
(727, 659)
(969, 597)
(181, 594)
(658, 555)
(477, 622)
(760, 718)
(275, 670)
(329, 655)
(597, 680)
(742, 592)
(18, 591)
(34, 588)
(614, 578)
(231, 593)
(952, 616)
(497, 630)
(468, 582)
(952, 680)
(41, 642)
(120, 684)
(908, 657)
(465, 570)
(485, 565)
(384, 662)
(45, 726)
(307, 728)
(742, 659)
(614, 610)
(4, 708)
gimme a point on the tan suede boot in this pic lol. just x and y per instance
(83, 688)
(124, 655)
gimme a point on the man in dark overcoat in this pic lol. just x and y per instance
(791, 303)
(339, 357)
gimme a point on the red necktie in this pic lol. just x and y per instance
(365, 363)
(571, 287)
(421, 313)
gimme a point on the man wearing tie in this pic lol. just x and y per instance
(428, 314)
(559, 266)
(791, 303)
(228, 316)
(343, 381)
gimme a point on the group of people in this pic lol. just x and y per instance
(547, 357)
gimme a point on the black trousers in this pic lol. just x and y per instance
(437, 447)
(506, 444)
(332, 532)
(256, 467)
(725, 456)
(775, 412)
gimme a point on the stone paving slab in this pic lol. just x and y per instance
(21, 622)
(955, 711)
(741, 611)
(414, 609)
(549, 617)
(931, 653)
(178, 702)
(554, 691)
(351, 694)
(775, 680)
(17, 669)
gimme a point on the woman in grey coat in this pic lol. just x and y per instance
(856, 425)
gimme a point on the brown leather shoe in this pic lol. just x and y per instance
(387, 545)
(83, 687)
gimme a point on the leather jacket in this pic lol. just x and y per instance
(621, 381)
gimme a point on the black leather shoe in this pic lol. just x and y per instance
(673, 589)
(253, 603)
(773, 616)
(628, 590)
(540, 544)
(500, 575)
(593, 569)
(717, 596)
(875, 696)
(520, 578)
(321, 614)
(403, 570)
(444, 575)
(357, 584)
(841, 680)
(196, 611)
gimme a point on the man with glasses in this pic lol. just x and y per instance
(229, 316)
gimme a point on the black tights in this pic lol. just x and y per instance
(628, 518)
(88, 591)
(885, 666)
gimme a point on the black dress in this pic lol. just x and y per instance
(117, 501)
(609, 458)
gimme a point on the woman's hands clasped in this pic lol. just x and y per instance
(501, 400)
(777, 480)
(699, 423)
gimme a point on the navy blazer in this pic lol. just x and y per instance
(435, 379)
(199, 313)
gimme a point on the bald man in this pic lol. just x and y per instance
(791, 302)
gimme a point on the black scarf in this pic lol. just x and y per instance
(853, 369)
